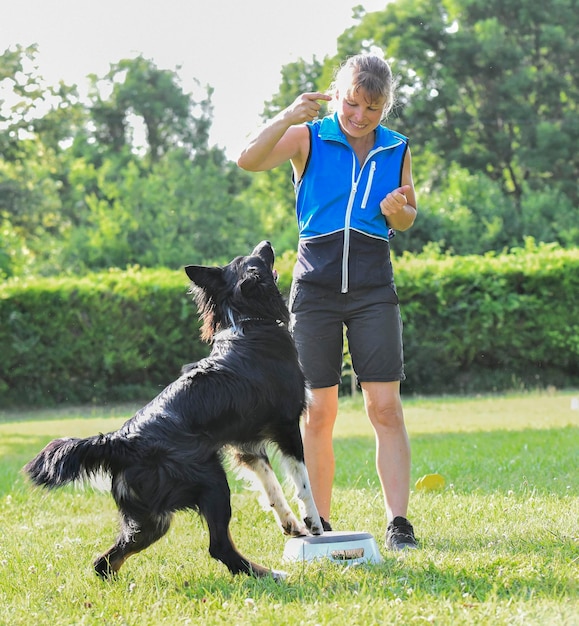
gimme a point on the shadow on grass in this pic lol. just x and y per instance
(503, 577)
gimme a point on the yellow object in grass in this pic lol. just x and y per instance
(430, 482)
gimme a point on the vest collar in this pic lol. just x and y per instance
(329, 129)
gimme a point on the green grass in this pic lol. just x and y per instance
(499, 545)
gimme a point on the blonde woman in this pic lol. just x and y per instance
(354, 187)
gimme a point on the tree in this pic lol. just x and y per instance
(36, 123)
(176, 213)
(30, 108)
(77, 192)
(139, 89)
(491, 85)
(20, 94)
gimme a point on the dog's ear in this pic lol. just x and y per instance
(204, 276)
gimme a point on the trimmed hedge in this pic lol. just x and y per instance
(493, 322)
(486, 323)
(108, 336)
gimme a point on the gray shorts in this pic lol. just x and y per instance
(373, 328)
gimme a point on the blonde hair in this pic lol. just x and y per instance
(368, 72)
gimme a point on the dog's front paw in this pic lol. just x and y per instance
(295, 529)
(315, 527)
(103, 568)
(291, 526)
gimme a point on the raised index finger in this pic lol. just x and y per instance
(317, 95)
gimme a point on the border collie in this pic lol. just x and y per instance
(248, 393)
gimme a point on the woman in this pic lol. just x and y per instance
(353, 183)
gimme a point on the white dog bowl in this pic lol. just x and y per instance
(338, 546)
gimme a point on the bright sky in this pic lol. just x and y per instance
(236, 46)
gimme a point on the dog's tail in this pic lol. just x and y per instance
(70, 460)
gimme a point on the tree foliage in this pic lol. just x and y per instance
(487, 93)
(492, 87)
(124, 178)
(169, 117)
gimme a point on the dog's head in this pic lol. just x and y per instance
(244, 289)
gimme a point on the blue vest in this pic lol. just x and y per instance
(343, 236)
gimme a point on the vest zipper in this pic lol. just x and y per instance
(346, 249)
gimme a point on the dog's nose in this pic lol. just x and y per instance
(261, 246)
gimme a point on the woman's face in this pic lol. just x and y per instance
(358, 114)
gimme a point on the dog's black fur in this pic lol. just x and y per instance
(249, 391)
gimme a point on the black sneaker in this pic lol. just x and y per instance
(400, 534)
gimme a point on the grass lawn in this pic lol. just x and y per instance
(499, 544)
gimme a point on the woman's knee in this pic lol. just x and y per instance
(383, 404)
(323, 409)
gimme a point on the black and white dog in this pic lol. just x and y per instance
(248, 392)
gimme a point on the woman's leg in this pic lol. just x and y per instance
(384, 409)
(318, 430)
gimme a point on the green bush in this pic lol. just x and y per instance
(476, 323)
(493, 322)
(107, 336)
